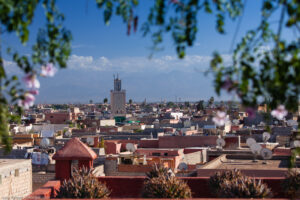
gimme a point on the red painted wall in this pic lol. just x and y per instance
(186, 141)
(58, 118)
(148, 144)
(193, 141)
(131, 187)
(112, 147)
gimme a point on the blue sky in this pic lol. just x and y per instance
(99, 51)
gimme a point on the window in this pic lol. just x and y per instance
(165, 154)
(126, 161)
(17, 172)
(155, 154)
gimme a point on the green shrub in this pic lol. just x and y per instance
(83, 184)
(232, 184)
(291, 184)
(161, 184)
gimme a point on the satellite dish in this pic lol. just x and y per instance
(255, 148)
(182, 166)
(266, 153)
(262, 123)
(266, 136)
(45, 142)
(250, 141)
(296, 143)
(220, 142)
(68, 134)
(130, 147)
(90, 141)
(236, 121)
(292, 122)
(171, 173)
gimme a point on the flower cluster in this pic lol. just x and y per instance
(30, 80)
(220, 119)
(280, 112)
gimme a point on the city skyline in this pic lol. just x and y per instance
(99, 51)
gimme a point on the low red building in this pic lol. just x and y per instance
(58, 117)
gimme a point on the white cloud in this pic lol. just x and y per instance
(133, 64)
(136, 64)
(11, 67)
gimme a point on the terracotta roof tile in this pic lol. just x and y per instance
(74, 149)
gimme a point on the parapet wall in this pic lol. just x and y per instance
(195, 141)
(15, 178)
(131, 187)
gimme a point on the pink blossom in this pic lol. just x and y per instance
(31, 81)
(251, 112)
(220, 119)
(49, 70)
(174, 1)
(28, 100)
(280, 112)
(34, 92)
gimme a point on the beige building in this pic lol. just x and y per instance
(118, 99)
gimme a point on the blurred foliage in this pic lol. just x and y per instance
(175, 17)
(52, 46)
(264, 67)
(291, 184)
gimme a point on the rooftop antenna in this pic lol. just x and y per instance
(266, 137)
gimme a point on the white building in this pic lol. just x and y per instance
(118, 99)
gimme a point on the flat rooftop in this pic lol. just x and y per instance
(10, 162)
(249, 164)
(272, 168)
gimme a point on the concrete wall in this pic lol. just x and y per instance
(15, 178)
(110, 166)
(193, 158)
(107, 122)
(40, 178)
